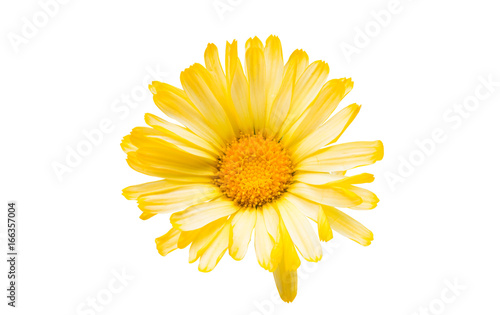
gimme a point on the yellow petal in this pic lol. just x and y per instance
(281, 104)
(238, 89)
(171, 144)
(290, 258)
(318, 178)
(352, 180)
(300, 230)
(134, 192)
(180, 135)
(333, 196)
(306, 207)
(305, 90)
(201, 214)
(213, 65)
(285, 274)
(286, 282)
(187, 237)
(199, 86)
(271, 219)
(347, 226)
(370, 200)
(174, 160)
(322, 107)
(175, 104)
(274, 70)
(178, 198)
(298, 60)
(164, 171)
(264, 244)
(168, 242)
(205, 236)
(241, 233)
(333, 179)
(127, 145)
(343, 157)
(309, 84)
(325, 134)
(277, 253)
(256, 71)
(253, 42)
(146, 215)
(212, 62)
(215, 250)
(324, 229)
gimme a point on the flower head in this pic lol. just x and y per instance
(256, 154)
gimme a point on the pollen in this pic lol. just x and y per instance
(254, 170)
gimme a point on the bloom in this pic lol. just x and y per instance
(256, 155)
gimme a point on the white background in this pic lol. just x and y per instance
(438, 226)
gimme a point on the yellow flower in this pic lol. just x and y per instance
(256, 155)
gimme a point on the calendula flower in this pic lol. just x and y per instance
(256, 155)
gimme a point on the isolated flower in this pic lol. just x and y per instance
(256, 156)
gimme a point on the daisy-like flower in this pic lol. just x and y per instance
(256, 155)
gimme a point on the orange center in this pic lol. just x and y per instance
(254, 170)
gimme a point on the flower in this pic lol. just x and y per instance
(256, 155)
